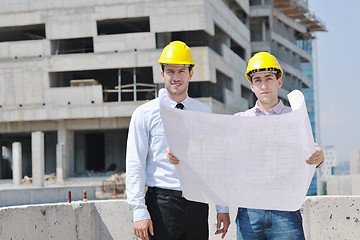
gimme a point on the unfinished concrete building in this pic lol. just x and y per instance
(76, 70)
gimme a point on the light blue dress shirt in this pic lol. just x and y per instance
(146, 160)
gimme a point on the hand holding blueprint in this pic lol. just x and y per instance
(242, 161)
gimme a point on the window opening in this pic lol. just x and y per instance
(69, 46)
(135, 83)
(123, 25)
(21, 33)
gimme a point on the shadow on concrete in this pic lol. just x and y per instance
(102, 231)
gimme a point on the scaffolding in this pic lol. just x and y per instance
(134, 87)
(298, 9)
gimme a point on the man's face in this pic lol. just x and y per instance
(176, 80)
(265, 86)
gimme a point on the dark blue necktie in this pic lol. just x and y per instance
(180, 106)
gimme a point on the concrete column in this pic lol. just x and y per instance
(263, 27)
(60, 155)
(66, 160)
(1, 160)
(17, 163)
(38, 158)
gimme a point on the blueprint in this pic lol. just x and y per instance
(242, 161)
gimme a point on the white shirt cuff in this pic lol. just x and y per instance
(140, 214)
(222, 209)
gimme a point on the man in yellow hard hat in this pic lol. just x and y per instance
(162, 213)
(265, 76)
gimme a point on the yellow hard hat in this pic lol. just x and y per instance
(176, 52)
(262, 62)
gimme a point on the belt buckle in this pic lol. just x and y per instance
(182, 194)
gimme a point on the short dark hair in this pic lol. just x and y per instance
(277, 75)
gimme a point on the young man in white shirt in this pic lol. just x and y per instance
(162, 213)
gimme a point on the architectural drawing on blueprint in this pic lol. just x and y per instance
(254, 162)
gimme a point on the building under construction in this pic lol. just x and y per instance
(72, 72)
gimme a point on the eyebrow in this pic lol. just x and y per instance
(267, 75)
(179, 69)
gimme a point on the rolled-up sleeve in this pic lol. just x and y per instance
(136, 152)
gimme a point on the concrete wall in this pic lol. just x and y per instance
(324, 218)
(332, 217)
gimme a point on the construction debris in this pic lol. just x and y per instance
(26, 180)
(117, 177)
(51, 178)
(115, 184)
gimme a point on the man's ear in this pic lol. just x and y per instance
(279, 82)
(252, 87)
(162, 73)
(191, 73)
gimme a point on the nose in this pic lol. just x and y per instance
(176, 76)
(263, 85)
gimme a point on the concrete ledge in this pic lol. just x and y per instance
(29, 48)
(79, 95)
(123, 42)
(38, 195)
(324, 218)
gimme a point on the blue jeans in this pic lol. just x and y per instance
(257, 224)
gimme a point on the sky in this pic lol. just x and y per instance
(338, 59)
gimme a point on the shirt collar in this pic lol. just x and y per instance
(276, 110)
(185, 102)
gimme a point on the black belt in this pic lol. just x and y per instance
(168, 192)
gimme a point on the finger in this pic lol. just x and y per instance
(225, 231)
(142, 235)
(226, 227)
(314, 161)
(151, 229)
(218, 225)
(314, 156)
(137, 233)
(219, 231)
(173, 160)
(168, 150)
(170, 154)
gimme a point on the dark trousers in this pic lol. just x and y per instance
(175, 218)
